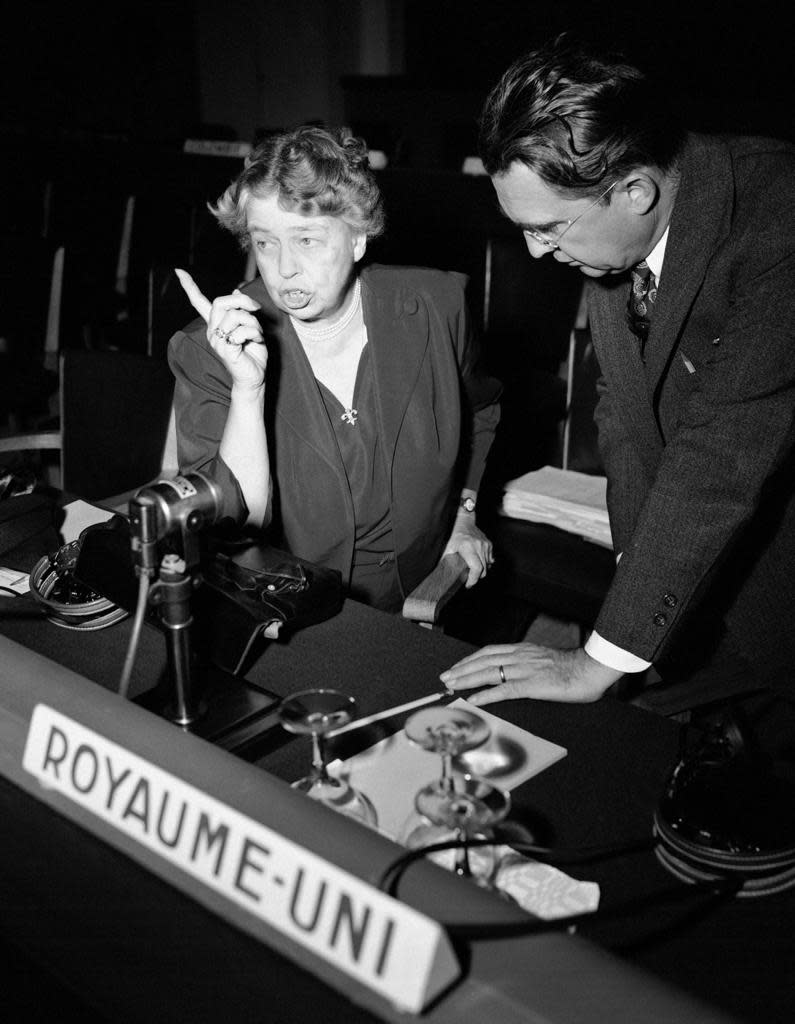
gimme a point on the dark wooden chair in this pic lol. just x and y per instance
(429, 598)
(114, 416)
(31, 335)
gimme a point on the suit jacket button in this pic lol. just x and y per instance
(670, 600)
(660, 619)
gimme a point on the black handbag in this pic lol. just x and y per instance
(28, 529)
(247, 591)
(259, 591)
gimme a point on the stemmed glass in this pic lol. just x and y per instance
(449, 732)
(316, 713)
(469, 811)
(461, 807)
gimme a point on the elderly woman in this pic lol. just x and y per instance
(339, 406)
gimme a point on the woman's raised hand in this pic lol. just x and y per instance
(233, 331)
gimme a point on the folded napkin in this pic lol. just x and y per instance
(542, 889)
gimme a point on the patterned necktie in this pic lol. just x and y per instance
(641, 301)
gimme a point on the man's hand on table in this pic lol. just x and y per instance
(543, 673)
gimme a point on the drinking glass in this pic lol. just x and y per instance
(316, 713)
(454, 806)
(469, 810)
(448, 732)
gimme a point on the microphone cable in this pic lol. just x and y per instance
(715, 890)
(388, 880)
(144, 583)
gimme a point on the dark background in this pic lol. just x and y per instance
(98, 100)
(145, 69)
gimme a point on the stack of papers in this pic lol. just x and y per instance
(576, 502)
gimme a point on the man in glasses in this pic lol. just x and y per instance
(689, 240)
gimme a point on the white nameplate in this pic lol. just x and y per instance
(389, 947)
(216, 147)
(473, 165)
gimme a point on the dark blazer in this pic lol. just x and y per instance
(437, 418)
(698, 437)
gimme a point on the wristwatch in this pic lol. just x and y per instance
(466, 505)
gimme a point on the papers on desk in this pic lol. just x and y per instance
(13, 581)
(391, 771)
(78, 515)
(575, 502)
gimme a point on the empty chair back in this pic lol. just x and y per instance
(31, 286)
(529, 306)
(115, 409)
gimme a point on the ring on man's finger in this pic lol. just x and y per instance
(502, 673)
(221, 334)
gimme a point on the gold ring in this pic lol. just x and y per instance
(502, 674)
(221, 335)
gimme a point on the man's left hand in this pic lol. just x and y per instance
(527, 670)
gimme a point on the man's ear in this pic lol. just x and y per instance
(642, 191)
(359, 246)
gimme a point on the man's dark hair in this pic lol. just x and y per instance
(577, 119)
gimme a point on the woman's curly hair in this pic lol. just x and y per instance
(312, 170)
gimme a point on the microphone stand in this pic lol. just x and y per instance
(224, 709)
(173, 593)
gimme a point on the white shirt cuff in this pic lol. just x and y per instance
(608, 654)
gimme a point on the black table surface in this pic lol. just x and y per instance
(736, 955)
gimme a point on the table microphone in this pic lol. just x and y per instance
(184, 505)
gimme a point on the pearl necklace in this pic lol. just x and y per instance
(311, 335)
(317, 332)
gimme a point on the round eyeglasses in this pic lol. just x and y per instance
(554, 243)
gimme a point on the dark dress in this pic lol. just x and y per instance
(431, 412)
(374, 577)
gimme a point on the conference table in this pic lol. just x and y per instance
(88, 931)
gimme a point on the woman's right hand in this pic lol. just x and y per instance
(236, 337)
(233, 332)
